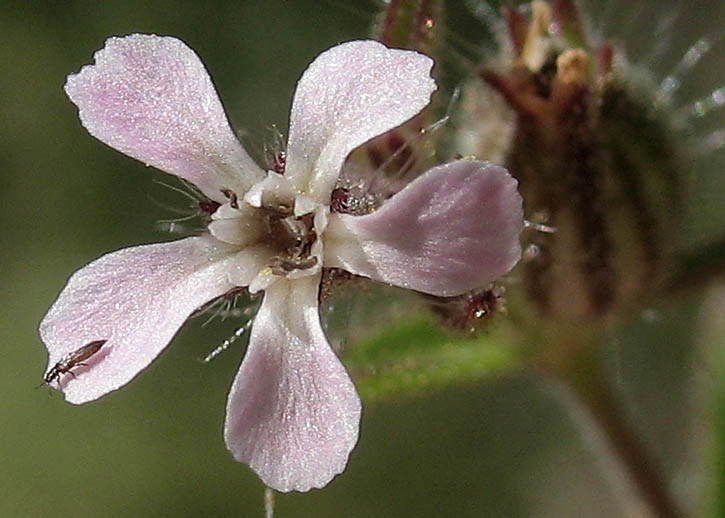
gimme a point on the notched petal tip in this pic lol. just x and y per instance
(293, 413)
(453, 229)
(135, 299)
(151, 98)
(348, 95)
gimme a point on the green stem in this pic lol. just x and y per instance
(587, 381)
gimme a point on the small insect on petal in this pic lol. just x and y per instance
(73, 359)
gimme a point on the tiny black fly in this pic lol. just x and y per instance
(73, 359)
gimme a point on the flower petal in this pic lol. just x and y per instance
(240, 226)
(249, 262)
(151, 98)
(293, 413)
(453, 229)
(136, 299)
(274, 190)
(348, 95)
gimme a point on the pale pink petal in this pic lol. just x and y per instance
(453, 229)
(151, 98)
(293, 413)
(348, 95)
(136, 299)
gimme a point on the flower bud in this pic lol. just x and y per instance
(596, 162)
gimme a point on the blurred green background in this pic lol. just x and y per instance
(510, 446)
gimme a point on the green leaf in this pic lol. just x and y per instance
(414, 356)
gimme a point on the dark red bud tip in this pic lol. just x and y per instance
(518, 26)
(209, 206)
(280, 161)
(604, 61)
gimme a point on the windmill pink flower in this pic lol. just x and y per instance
(293, 413)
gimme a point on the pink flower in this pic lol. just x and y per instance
(293, 413)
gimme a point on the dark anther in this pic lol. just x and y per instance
(283, 265)
(232, 197)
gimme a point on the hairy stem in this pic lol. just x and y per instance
(268, 502)
(586, 379)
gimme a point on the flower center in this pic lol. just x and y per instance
(294, 236)
(280, 228)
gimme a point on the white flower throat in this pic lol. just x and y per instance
(282, 228)
(295, 235)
